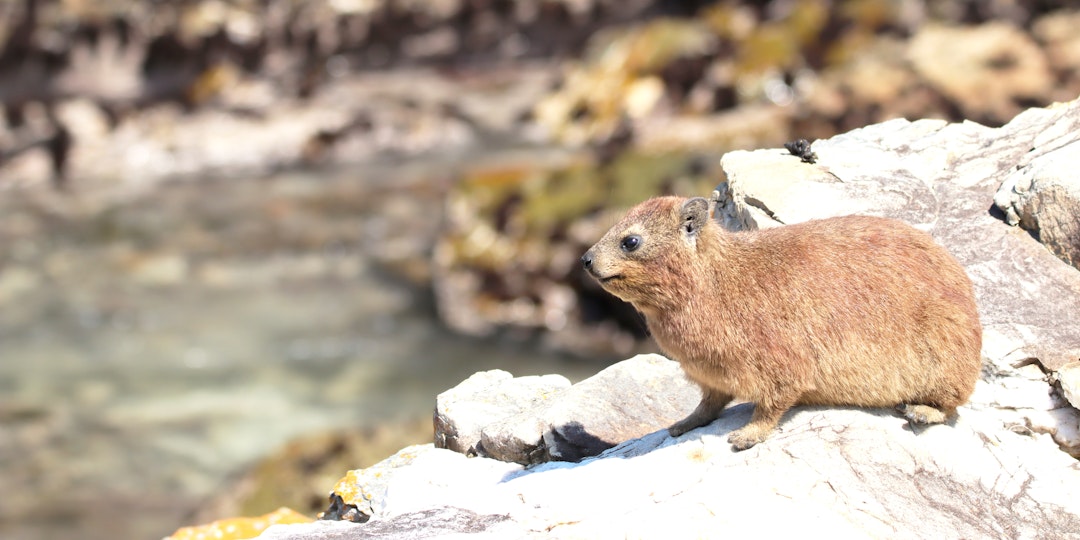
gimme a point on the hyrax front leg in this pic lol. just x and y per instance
(712, 402)
(767, 414)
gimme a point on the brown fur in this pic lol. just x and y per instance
(852, 310)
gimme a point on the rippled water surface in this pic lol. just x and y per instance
(153, 342)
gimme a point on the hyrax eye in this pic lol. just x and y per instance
(630, 243)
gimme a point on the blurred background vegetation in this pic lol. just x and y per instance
(227, 224)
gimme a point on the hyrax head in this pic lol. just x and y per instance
(643, 256)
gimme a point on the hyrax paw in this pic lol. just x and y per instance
(921, 414)
(744, 438)
(681, 428)
(687, 424)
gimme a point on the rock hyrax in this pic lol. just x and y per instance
(853, 310)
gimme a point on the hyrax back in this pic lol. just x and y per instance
(852, 310)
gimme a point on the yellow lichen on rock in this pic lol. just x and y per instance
(350, 487)
(619, 79)
(239, 528)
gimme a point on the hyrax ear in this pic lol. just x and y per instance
(694, 214)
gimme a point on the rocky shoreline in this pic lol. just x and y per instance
(164, 163)
(550, 459)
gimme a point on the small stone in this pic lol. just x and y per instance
(630, 399)
(160, 270)
(1069, 378)
(1067, 431)
(15, 280)
(484, 398)
(1044, 198)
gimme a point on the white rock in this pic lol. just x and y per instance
(854, 473)
(1043, 197)
(167, 269)
(622, 402)
(484, 398)
(1069, 378)
(938, 177)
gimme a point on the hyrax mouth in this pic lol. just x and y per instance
(587, 260)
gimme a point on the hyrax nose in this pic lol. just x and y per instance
(587, 259)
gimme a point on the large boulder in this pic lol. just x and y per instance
(854, 473)
(995, 472)
(941, 178)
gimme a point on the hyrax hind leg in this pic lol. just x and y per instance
(925, 414)
(766, 415)
(712, 402)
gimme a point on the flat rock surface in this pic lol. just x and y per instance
(856, 473)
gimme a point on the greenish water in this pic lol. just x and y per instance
(153, 343)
